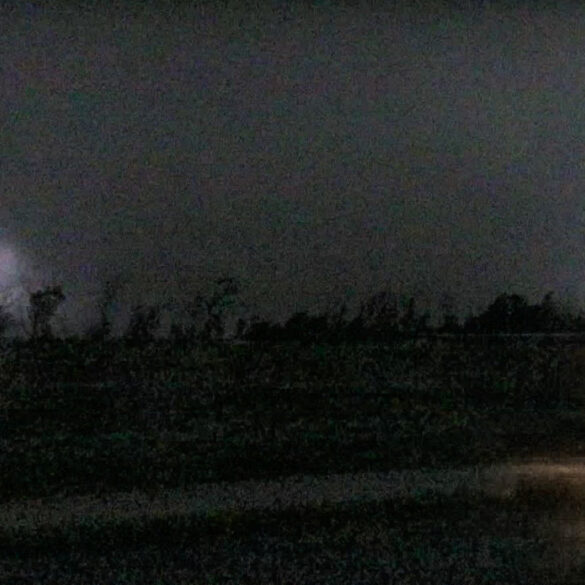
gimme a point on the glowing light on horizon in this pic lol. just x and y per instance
(8, 267)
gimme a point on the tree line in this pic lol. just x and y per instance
(383, 317)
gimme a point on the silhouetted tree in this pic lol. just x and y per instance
(450, 322)
(382, 318)
(303, 327)
(508, 313)
(103, 329)
(337, 325)
(471, 323)
(411, 323)
(144, 323)
(263, 331)
(43, 304)
(182, 333)
(213, 329)
(578, 321)
(6, 319)
(549, 315)
(356, 329)
(512, 314)
(378, 316)
(241, 328)
(212, 310)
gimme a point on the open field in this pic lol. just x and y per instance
(135, 466)
(524, 524)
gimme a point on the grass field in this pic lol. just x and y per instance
(78, 421)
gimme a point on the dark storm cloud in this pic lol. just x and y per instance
(322, 155)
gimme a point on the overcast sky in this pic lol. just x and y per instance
(315, 155)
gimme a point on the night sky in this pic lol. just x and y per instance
(315, 154)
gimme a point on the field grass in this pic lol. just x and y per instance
(453, 541)
(85, 421)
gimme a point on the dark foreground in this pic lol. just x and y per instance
(531, 537)
(162, 429)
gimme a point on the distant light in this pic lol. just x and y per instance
(8, 266)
